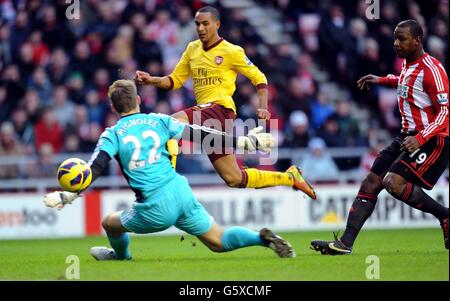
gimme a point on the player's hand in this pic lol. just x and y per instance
(58, 199)
(410, 144)
(365, 82)
(263, 114)
(143, 78)
(256, 140)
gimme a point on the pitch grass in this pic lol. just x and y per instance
(416, 254)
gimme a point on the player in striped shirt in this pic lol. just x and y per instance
(418, 156)
(213, 63)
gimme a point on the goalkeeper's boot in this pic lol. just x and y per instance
(103, 253)
(300, 183)
(444, 226)
(331, 247)
(281, 246)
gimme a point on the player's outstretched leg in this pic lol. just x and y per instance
(300, 182)
(233, 238)
(278, 244)
(228, 169)
(292, 177)
(331, 247)
(103, 253)
(118, 239)
(414, 196)
(362, 208)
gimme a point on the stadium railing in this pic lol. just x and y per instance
(117, 181)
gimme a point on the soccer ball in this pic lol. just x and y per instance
(74, 175)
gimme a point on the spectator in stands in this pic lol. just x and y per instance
(24, 130)
(82, 60)
(5, 107)
(164, 31)
(145, 47)
(186, 28)
(334, 39)
(297, 98)
(48, 131)
(319, 163)
(71, 143)
(5, 45)
(43, 166)
(20, 29)
(321, 109)
(286, 61)
(96, 110)
(42, 85)
(368, 158)
(63, 107)
(75, 85)
(40, 49)
(57, 69)
(25, 61)
(330, 133)
(9, 146)
(32, 105)
(132, 8)
(13, 90)
(299, 134)
(80, 123)
(348, 126)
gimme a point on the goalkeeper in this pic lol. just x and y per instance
(163, 197)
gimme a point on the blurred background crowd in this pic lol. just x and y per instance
(55, 71)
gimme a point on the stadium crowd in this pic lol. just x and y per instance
(55, 71)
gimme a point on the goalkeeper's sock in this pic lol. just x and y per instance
(238, 237)
(172, 148)
(361, 209)
(255, 178)
(120, 244)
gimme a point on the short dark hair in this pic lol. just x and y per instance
(209, 9)
(123, 95)
(414, 27)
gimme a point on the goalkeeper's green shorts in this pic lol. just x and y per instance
(173, 205)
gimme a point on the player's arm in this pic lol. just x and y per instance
(255, 140)
(365, 82)
(175, 80)
(98, 164)
(144, 78)
(263, 96)
(58, 199)
(243, 65)
(104, 151)
(436, 86)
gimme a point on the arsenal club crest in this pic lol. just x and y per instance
(219, 59)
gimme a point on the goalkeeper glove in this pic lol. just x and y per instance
(58, 199)
(256, 140)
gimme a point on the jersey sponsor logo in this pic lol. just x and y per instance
(402, 91)
(442, 98)
(205, 105)
(219, 59)
(248, 61)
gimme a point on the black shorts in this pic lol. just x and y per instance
(423, 167)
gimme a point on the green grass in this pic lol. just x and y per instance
(416, 254)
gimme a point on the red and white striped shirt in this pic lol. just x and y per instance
(422, 93)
